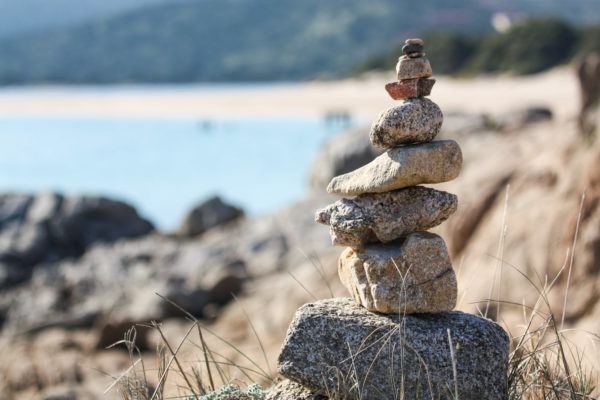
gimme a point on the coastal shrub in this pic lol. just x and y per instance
(529, 47)
(526, 48)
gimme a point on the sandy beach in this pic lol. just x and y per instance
(362, 98)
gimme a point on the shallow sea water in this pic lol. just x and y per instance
(163, 166)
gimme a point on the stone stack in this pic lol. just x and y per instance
(399, 337)
(391, 265)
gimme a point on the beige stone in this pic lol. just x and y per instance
(417, 120)
(385, 217)
(410, 68)
(434, 162)
(407, 276)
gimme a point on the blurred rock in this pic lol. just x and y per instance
(341, 154)
(111, 332)
(588, 72)
(207, 215)
(517, 120)
(119, 282)
(49, 227)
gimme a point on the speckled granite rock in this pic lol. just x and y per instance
(384, 217)
(410, 88)
(408, 276)
(290, 390)
(405, 166)
(337, 345)
(410, 68)
(416, 120)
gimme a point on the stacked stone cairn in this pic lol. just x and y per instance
(398, 338)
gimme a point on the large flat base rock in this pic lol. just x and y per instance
(407, 276)
(337, 346)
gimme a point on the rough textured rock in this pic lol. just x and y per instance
(397, 168)
(342, 153)
(210, 213)
(408, 276)
(290, 390)
(410, 68)
(338, 346)
(384, 217)
(409, 88)
(50, 227)
(416, 120)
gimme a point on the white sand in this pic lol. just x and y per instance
(362, 98)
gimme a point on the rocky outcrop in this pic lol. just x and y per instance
(49, 227)
(208, 214)
(335, 346)
(113, 284)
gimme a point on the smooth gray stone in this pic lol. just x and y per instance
(407, 276)
(338, 346)
(384, 217)
(401, 167)
(417, 120)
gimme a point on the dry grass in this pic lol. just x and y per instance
(543, 362)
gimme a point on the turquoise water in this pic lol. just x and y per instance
(163, 166)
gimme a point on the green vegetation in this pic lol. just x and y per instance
(527, 48)
(228, 40)
(232, 40)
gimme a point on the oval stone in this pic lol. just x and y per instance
(412, 48)
(410, 68)
(416, 120)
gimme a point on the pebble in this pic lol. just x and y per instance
(410, 88)
(410, 68)
(412, 48)
(415, 41)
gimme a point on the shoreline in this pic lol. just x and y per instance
(361, 98)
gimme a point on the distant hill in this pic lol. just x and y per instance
(20, 16)
(235, 40)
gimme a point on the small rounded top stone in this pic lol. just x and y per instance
(412, 48)
(415, 41)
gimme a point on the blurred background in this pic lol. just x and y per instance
(180, 148)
